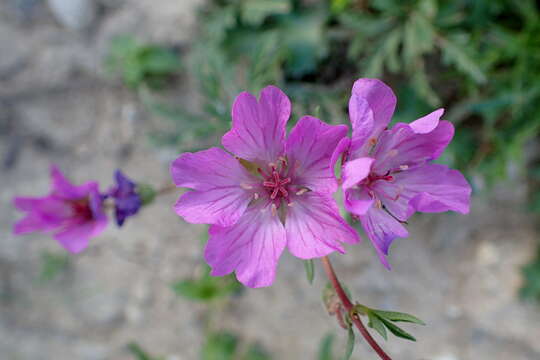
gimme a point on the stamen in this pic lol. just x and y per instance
(256, 196)
(372, 141)
(403, 167)
(246, 186)
(378, 204)
(302, 191)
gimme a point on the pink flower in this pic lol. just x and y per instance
(73, 213)
(388, 174)
(276, 192)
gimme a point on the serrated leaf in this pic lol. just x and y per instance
(454, 54)
(376, 324)
(350, 344)
(398, 316)
(310, 270)
(396, 330)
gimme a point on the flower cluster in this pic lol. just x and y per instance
(269, 191)
(74, 214)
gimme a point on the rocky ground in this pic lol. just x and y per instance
(458, 273)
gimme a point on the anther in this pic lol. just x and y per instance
(403, 167)
(256, 196)
(302, 191)
(246, 186)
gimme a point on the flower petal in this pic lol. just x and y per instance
(382, 229)
(251, 247)
(434, 188)
(381, 100)
(403, 147)
(314, 227)
(75, 237)
(341, 147)
(362, 122)
(222, 187)
(63, 188)
(309, 150)
(427, 123)
(258, 128)
(355, 171)
(358, 201)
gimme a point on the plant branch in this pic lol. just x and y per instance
(350, 308)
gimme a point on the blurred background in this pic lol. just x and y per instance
(98, 85)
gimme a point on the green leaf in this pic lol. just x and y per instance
(457, 55)
(350, 344)
(207, 287)
(376, 324)
(398, 316)
(310, 271)
(325, 348)
(220, 346)
(254, 12)
(138, 352)
(397, 331)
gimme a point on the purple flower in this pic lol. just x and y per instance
(73, 213)
(127, 201)
(276, 192)
(388, 174)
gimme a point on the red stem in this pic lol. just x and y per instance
(349, 307)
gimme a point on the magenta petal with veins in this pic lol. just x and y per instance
(388, 174)
(74, 214)
(273, 192)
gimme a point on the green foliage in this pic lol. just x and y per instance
(207, 287)
(531, 276)
(480, 60)
(381, 320)
(325, 348)
(139, 354)
(226, 346)
(52, 265)
(142, 64)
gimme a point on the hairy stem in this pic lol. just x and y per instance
(350, 307)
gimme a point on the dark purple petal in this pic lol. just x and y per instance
(127, 201)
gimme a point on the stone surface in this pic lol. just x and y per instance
(458, 273)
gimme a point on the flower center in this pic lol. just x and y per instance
(372, 177)
(275, 182)
(81, 209)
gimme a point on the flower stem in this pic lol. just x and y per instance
(166, 189)
(350, 308)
